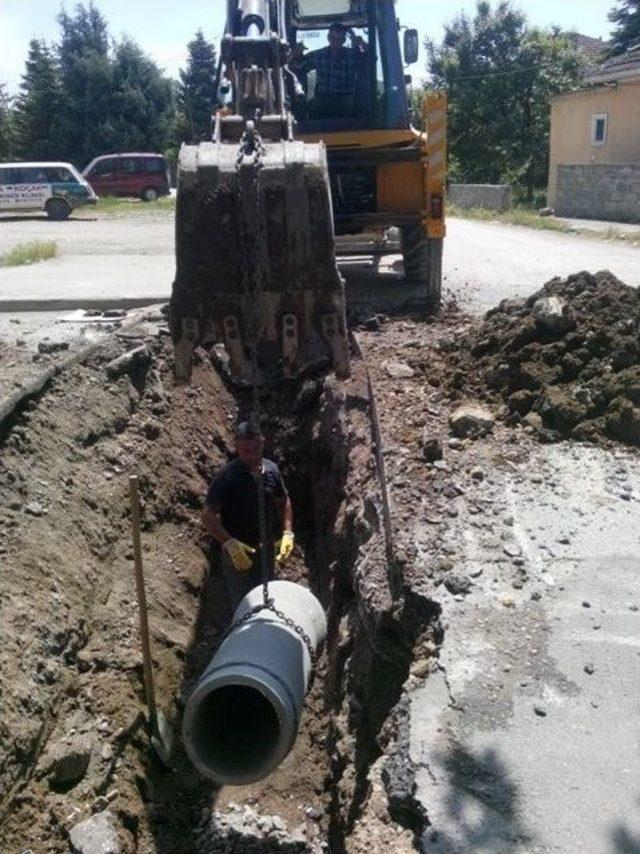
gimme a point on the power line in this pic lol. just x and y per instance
(511, 71)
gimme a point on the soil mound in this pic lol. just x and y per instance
(566, 360)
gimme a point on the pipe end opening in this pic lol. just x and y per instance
(236, 734)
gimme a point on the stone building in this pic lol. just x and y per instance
(594, 169)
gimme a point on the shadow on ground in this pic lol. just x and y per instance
(482, 807)
(624, 842)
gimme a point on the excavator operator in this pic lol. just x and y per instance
(337, 68)
(231, 513)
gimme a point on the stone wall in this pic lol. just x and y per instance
(599, 192)
(493, 197)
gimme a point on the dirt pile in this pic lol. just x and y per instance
(565, 361)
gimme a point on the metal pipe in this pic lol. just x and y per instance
(242, 718)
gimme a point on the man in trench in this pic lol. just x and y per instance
(231, 514)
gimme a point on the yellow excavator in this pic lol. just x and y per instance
(291, 163)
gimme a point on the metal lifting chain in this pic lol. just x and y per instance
(252, 148)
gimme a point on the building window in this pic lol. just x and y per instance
(599, 129)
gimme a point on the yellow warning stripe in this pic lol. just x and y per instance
(434, 114)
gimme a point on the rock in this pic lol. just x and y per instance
(532, 419)
(96, 835)
(536, 596)
(52, 346)
(398, 370)
(586, 604)
(432, 449)
(512, 549)
(553, 316)
(307, 396)
(540, 711)
(476, 573)
(458, 584)
(471, 421)
(138, 357)
(478, 475)
(507, 601)
(634, 608)
(445, 564)
(34, 508)
(68, 762)
(589, 669)
(372, 324)
(313, 813)
(151, 429)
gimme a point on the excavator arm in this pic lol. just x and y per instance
(255, 251)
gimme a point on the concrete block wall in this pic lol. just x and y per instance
(595, 191)
(493, 197)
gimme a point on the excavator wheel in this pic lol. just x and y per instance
(423, 263)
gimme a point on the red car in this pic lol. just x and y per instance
(143, 175)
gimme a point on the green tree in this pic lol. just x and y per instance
(626, 16)
(142, 103)
(499, 76)
(38, 109)
(86, 69)
(6, 125)
(195, 95)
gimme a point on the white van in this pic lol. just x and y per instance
(56, 188)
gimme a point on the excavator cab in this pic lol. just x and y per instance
(384, 171)
(313, 136)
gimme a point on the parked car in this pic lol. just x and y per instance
(143, 175)
(57, 188)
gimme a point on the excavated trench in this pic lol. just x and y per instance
(72, 730)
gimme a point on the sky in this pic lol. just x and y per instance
(163, 29)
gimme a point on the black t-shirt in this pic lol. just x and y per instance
(233, 492)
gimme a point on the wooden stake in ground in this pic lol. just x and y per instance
(161, 733)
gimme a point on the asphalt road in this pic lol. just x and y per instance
(132, 259)
(527, 740)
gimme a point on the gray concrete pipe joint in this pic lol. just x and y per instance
(242, 718)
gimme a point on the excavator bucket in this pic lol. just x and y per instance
(256, 268)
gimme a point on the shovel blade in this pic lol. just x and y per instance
(162, 740)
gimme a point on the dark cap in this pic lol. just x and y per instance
(248, 430)
(336, 26)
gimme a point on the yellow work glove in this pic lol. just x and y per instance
(239, 554)
(286, 547)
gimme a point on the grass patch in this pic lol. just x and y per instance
(29, 253)
(515, 216)
(531, 219)
(111, 206)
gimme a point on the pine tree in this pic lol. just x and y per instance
(86, 69)
(196, 91)
(37, 114)
(6, 125)
(626, 17)
(143, 109)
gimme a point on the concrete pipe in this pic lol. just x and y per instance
(242, 718)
